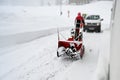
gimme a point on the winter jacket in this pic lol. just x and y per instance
(79, 20)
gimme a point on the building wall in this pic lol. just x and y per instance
(115, 42)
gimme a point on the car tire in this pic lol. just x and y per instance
(83, 30)
(98, 29)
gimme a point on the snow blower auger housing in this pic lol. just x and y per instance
(71, 47)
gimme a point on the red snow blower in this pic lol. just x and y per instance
(72, 47)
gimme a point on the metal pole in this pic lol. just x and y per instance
(60, 7)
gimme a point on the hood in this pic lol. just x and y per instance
(92, 21)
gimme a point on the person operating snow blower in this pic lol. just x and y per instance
(72, 47)
(79, 24)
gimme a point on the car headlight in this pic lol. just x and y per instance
(98, 24)
(85, 23)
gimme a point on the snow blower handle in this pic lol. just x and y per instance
(58, 34)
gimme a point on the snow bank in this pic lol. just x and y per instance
(23, 24)
(103, 60)
(10, 40)
(18, 19)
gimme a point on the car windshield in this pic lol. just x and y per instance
(93, 17)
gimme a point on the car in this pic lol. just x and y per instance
(92, 23)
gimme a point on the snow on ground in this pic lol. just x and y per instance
(21, 19)
(95, 62)
(37, 60)
(41, 61)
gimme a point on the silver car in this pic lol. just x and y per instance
(92, 23)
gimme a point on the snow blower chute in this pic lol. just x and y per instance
(72, 47)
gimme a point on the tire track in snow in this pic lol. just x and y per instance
(43, 65)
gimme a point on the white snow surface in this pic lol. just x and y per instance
(36, 59)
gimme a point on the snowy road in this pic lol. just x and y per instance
(37, 60)
(94, 61)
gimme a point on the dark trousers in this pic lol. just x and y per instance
(77, 29)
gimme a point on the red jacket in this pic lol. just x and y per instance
(79, 18)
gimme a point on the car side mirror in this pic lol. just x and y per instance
(101, 19)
